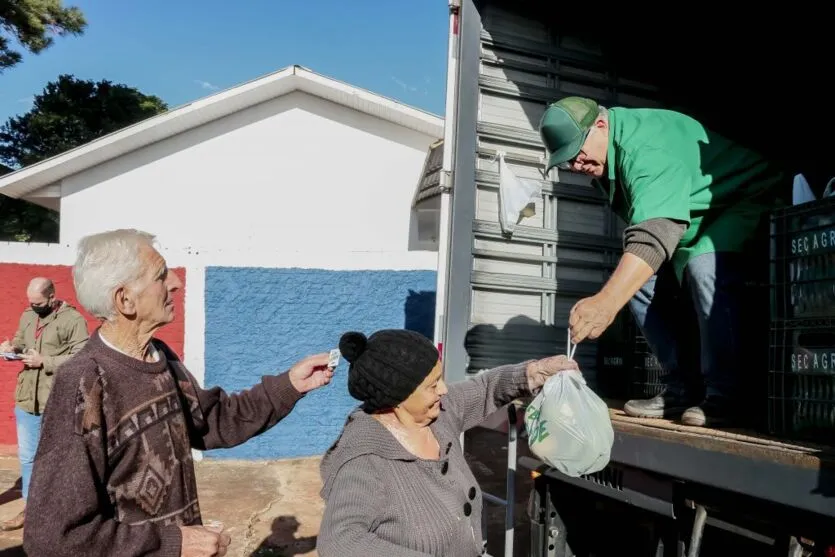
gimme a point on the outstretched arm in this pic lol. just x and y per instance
(657, 186)
(472, 400)
(232, 419)
(590, 317)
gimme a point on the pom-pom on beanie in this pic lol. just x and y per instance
(388, 366)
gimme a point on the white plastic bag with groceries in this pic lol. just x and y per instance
(568, 425)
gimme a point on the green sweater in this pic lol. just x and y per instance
(666, 166)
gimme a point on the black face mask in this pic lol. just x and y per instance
(42, 311)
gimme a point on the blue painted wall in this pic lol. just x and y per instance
(259, 321)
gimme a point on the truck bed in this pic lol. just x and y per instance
(793, 475)
(732, 441)
(739, 442)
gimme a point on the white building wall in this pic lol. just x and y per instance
(293, 174)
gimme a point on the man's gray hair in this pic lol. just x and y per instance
(602, 112)
(105, 262)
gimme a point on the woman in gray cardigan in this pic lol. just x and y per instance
(396, 483)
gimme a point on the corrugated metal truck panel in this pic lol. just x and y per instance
(509, 297)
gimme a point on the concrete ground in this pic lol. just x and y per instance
(273, 509)
(269, 508)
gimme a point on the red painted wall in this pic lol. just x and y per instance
(13, 281)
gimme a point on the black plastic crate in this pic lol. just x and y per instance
(802, 260)
(801, 389)
(645, 375)
(615, 357)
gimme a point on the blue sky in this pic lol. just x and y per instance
(184, 50)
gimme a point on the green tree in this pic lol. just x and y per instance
(34, 24)
(21, 221)
(71, 112)
(68, 113)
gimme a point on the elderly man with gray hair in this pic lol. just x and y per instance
(114, 474)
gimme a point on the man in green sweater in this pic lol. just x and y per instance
(692, 201)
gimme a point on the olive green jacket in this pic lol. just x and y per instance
(63, 333)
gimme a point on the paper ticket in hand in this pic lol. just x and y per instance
(333, 358)
(215, 525)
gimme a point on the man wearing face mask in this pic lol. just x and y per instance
(693, 202)
(50, 332)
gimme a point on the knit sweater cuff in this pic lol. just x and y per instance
(654, 241)
(171, 541)
(281, 391)
(651, 255)
(513, 381)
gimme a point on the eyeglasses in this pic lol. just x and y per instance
(569, 164)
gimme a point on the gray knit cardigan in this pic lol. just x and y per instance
(382, 501)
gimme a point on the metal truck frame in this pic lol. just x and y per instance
(503, 64)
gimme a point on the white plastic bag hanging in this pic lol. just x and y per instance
(801, 192)
(568, 425)
(515, 194)
(829, 191)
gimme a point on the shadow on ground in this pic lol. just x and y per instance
(273, 508)
(12, 493)
(283, 541)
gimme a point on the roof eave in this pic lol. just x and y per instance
(178, 120)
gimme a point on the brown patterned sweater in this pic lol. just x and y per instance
(113, 474)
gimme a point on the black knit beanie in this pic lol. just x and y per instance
(387, 367)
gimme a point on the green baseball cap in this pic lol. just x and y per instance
(565, 126)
